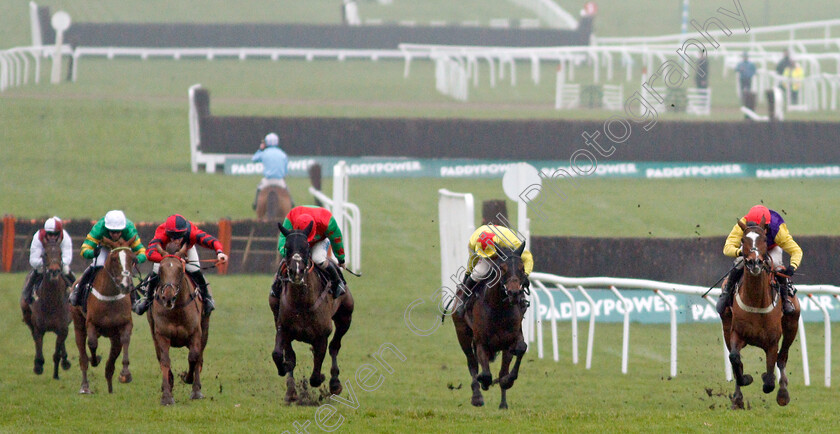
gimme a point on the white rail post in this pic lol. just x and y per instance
(625, 345)
(574, 324)
(827, 325)
(673, 308)
(339, 193)
(590, 338)
(803, 342)
(727, 365)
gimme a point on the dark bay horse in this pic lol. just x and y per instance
(495, 324)
(756, 318)
(273, 203)
(50, 312)
(107, 312)
(176, 320)
(305, 311)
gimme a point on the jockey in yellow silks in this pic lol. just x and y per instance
(483, 249)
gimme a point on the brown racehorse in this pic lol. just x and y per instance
(50, 311)
(305, 311)
(495, 324)
(755, 318)
(107, 313)
(176, 320)
(273, 203)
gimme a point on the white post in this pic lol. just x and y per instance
(340, 196)
(625, 345)
(60, 22)
(590, 338)
(673, 309)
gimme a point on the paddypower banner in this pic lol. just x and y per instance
(468, 168)
(647, 307)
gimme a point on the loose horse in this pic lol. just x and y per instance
(50, 311)
(305, 311)
(107, 312)
(176, 320)
(273, 203)
(495, 324)
(756, 318)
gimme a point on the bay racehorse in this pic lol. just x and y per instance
(493, 324)
(305, 311)
(756, 318)
(50, 311)
(273, 203)
(107, 312)
(176, 320)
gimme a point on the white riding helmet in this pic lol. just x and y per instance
(272, 140)
(53, 224)
(115, 220)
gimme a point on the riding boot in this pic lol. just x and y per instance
(142, 305)
(81, 291)
(256, 197)
(467, 290)
(336, 280)
(203, 290)
(725, 299)
(785, 294)
(32, 279)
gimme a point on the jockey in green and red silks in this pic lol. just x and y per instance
(324, 236)
(778, 239)
(178, 228)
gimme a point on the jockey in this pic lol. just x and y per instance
(778, 240)
(324, 235)
(275, 164)
(52, 231)
(115, 227)
(482, 248)
(177, 228)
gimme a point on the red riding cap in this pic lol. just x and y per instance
(301, 222)
(177, 224)
(756, 213)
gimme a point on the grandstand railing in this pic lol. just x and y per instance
(549, 285)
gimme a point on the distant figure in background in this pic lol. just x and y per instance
(702, 76)
(784, 63)
(53, 231)
(794, 74)
(746, 72)
(275, 164)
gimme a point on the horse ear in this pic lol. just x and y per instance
(283, 230)
(741, 225)
(182, 252)
(308, 228)
(520, 249)
(131, 241)
(761, 223)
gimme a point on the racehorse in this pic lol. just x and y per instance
(176, 320)
(273, 203)
(107, 312)
(756, 318)
(305, 311)
(495, 324)
(50, 311)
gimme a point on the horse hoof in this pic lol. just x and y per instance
(197, 395)
(316, 381)
(185, 377)
(65, 364)
(85, 391)
(478, 401)
(783, 397)
(39, 369)
(95, 361)
(768, 388)
(335, 386)
(125, 379)
(291, 397)
(485, 379)
(167, 401)
(503, 406)
(747, 379)
(278, 361)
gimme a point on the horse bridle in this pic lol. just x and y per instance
(296, 258)
(764, 263)
(177, 287)
(123, 273)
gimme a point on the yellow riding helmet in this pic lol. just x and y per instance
(485, 247)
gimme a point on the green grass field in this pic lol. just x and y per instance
(118, 139)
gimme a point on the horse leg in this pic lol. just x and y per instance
(504, 382)
(769, 377)
(162, 344)
(65, 364)
(342, 324)
(93, 344)
(38, 336)
(465, 339)
(736, 344)
(485, 378)
(277, 354)
(195, 367)
(79, 329)
(289, 365)
(60, 337)
(110, 365)
(125, 339)
(790, 326)
(319, 350)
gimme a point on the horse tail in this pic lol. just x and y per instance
(272, 204)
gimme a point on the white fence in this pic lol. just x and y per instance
(546, 286)
(456, 214)
(347, 215)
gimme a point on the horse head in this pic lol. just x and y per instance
(172, 273)
(52, 260)
(121, 263)
(298, 258)
(754, 247)
(512, 272)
